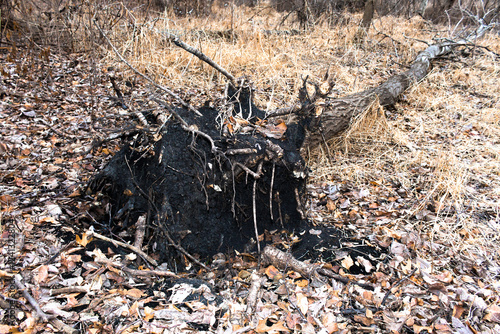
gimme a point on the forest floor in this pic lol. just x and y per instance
(420, 182)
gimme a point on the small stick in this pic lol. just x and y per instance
(283, 111)
(137, 272)
(248, 170)
(69, 289)
(292, 303)
(145, 77)
(259, 170)
(11, 300)
(71, 244)
(62, 327)
(395, 286)
(177, 41)
(300, 209)
(281, 260)
(271, 192)
(57, 132)
(44, 316)
(253, 294)
(235, 151)
(345, 280)
(140, 231)
(254, 209)
(185, 252)
(134, 249)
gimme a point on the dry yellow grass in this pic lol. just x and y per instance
(446, 137)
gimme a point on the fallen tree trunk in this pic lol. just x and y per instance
(218, 181)
(334, 115)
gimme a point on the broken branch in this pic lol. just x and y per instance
(177, 41)
(145, 77)
(92, 233)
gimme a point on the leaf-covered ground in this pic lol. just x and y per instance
(439, 267)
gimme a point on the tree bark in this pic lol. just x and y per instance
(333, 116)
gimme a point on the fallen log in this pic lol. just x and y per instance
(333, 116)
(214, 180)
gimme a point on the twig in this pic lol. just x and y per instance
(49, 261)
(136, 272)
(134, 249)
(236, 151)
(18, 281)
(145, 77)
(283, 111)
(282, 260)
(57, 132)
(62, 327)
(300, 208)
(331, 274)
(254, 211)
(177, 41)
(395, 286)
(271, 192)
(248, 170)
(120, 99)
(186, 126)
(69, 289)
(293, 303)
(11, 300)
(118, 92)
(129, 328)
(140, 231)
(58, 324)
(253, 294)
(416, 39)
(259, 171)
(183, 251)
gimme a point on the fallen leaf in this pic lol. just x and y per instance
(365, 263)
(43, 273)
(292, 319)
(492, 313)
(445, 277)
(363, 320)
(302, 303)
(347, 262)
(277, 327)
(84, 240)
(6, 199)
(272, 272)
(3, 273)
(148, 313)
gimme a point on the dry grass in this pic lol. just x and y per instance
(442, 145)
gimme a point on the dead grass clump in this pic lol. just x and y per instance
(361, 152)
(368, 131)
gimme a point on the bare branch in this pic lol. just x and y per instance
(177, 41)
(145, 77)
(24, 290)
(92, 233)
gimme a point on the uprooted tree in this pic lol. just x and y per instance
(202, 181)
